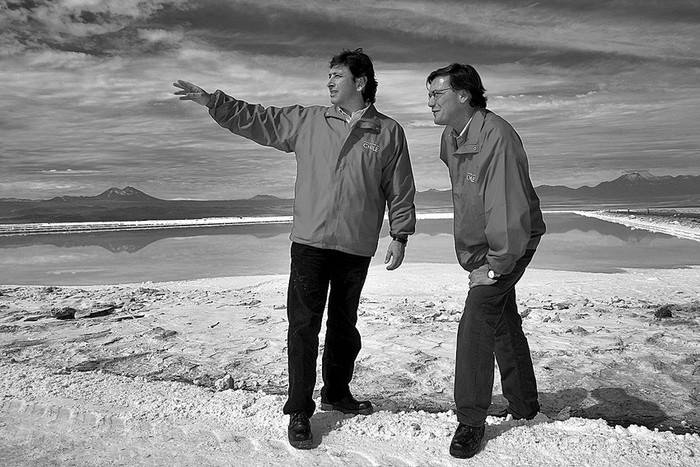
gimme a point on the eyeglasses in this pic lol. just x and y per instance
(437, 93)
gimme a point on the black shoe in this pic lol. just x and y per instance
(299, 431)
(503, 413)
(348, 404)
(466, 441)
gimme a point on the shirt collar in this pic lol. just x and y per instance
(356, 115)
(367, 118)
(463, 134)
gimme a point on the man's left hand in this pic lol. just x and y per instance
(479, 277)
(394, 255)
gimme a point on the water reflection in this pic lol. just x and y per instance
(135, 240)
(572, 243)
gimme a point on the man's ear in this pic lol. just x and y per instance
(361, 82)
(464, 96)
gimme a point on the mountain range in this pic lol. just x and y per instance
(631, 190)
(634, 189)
(638, 185)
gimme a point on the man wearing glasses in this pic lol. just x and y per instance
(352, 162)
(497, 227)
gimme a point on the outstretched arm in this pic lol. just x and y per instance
(276, 127)
(191, 92)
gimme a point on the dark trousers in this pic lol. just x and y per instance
(491, 325)
(313, 272)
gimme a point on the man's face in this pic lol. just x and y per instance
(343, 87)
(445, 103)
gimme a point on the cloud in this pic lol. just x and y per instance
(161, 35)
(598, 87)
(69, 171)
(72, 24)
(482, 32)
(486, 31)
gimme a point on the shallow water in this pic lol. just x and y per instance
(572, 242)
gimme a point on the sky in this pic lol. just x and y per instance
(596, 89)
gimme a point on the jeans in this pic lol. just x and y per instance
(491, 325)
(313, 272)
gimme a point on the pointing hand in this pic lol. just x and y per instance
(191, 92)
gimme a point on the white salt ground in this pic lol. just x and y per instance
(94, 418)
(597, 345)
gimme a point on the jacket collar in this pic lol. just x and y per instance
(471, 144)
(368, 121)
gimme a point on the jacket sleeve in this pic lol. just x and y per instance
(506, 200)
(276, 127)
(399, 189)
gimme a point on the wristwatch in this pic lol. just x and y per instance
(492, 274)
(400, 239)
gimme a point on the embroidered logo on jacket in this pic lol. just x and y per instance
(471, 177)
(371, 146)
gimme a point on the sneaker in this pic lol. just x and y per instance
(466, 441)
(348, 404)
(299, 431)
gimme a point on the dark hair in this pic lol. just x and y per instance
(360, 65)
(463, 78)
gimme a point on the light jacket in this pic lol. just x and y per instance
(497, 213)
(345, 178)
